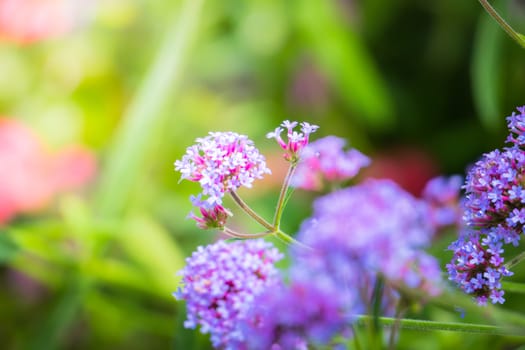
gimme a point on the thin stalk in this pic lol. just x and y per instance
(502, 23)
(289, 239)
(423, 325)
(282, 195)
(400, 311)
(451, 300)
(236, 234)
(357, 343)
(374, 329)
(242, 204)
(516, 260)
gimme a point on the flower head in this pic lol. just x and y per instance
(516, 124)
(26, 21)
(442, 195)
(31, 175)
(220, 283)
(374, 227)
(296, 141)
(495, 200)
(214, 218)
(477, 266)
(309, 312)
(222, 162)
(494, 213)
(325, 159)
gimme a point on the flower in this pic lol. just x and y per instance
(31, 175)
(221, 162)
(296, 141)
(477, 266)
(495, 200)
(494, 214)
(26, 21)
(325, 159)
(309, 312)
(374, 227)
(221, 282)
(516, 125)
(214, 218)
(442, 195)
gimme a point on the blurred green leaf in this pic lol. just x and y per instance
(486, 71)
(342, 55)
(8, 248)
(49, 334)
(133, 139)
(148, 244)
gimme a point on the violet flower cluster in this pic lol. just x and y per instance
(442, 196)
(374, 227)
(356, 238)
(220, 283)
(494, 215)
(304, 312)
(325, 160)
(221, 162)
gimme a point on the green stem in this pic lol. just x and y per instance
(236, 234)
(242, 204)
(400, 311)
(289, 239)
(503, 24)
(133, 140)
(516, 260)
(282, 195)
(423, 325)
(356, 342)
(451, 300)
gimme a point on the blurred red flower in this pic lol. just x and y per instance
(27, 21)
(30, 175)
(410, 168)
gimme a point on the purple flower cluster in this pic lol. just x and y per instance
(308, 312)
(222, 162)
(374, 227)
(326, 160)
(297, 141)
(516, 124)
(220, 283)
(442, 196)
(478, 267)
(494, 215)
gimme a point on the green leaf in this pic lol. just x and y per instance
(49, 334)
(486, 72)
(8, 248)
(152, 247)
(143, 119)
(341, 54)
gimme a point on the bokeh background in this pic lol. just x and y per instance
(421, 87)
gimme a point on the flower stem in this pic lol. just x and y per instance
(515, 261)
(503, 24)
(289, 239)
(242, 204)
(424, 325)
(400, 311)
(236, 234)
(282, 196)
